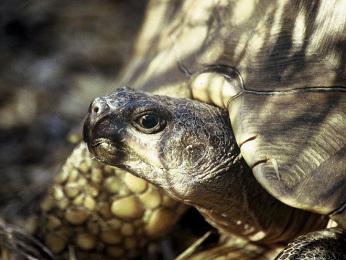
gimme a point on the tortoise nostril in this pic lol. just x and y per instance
(95, 109)
(98, 107)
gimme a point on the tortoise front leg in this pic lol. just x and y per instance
(103, 212)
(325, 244)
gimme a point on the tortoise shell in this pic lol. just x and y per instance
(287, 100)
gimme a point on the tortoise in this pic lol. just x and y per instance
(189, 149)
(290, 56)
(279, 70)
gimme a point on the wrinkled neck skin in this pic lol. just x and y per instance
(234, 202)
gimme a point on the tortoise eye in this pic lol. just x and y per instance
(149, 123)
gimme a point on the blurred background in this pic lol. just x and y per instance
(55, 57)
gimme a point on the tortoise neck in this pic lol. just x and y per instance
(234, 202)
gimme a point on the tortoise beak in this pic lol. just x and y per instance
(102, 133)
(97, 111)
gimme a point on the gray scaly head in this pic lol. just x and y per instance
(177, 144)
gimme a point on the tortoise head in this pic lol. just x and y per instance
(177, 144)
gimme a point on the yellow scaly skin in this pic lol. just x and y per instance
(103, 211)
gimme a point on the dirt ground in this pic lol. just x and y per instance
(55, 57)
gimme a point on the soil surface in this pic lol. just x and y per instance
(55, 57)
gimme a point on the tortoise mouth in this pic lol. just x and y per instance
(103, 140)
(106, 150)
(104, 144)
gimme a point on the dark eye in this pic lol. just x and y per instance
(149, 123)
